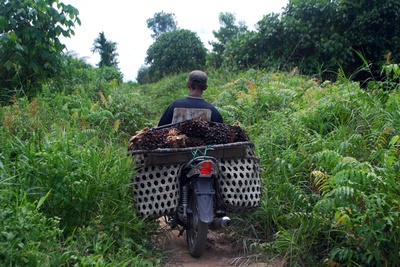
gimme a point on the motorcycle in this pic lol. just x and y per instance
(195, 188)
(196, 209)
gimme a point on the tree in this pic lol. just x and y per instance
(161, 23)
(107, 50)
(174, 52)
(31, 51)
(143, 76)
(312, 36)
(319, 36)
(371, 28)
(330, 33)
(228, 30)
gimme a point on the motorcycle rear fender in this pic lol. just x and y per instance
(204, 192)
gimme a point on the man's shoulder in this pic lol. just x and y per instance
(181, 99)
(178, 101)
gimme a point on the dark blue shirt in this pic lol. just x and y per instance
(189, 102)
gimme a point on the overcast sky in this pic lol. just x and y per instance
(124, 22)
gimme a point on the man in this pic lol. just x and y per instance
(193, 105)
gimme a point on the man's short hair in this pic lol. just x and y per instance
(198, 79)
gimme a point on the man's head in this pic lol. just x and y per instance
(198, 80)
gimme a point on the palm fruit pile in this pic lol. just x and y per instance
(190, 133)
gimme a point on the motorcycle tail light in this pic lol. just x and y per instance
(206, 168)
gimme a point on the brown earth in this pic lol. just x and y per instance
(219, 252)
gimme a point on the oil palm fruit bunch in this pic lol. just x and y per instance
(150, 139)
(191, 133)
(174, 138)
(196, 127)
(239, 134)
(195, 141)
(219, 134)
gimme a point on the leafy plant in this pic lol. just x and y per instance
(161, 23)
(30, 44)
(107, 50)
(27, 236)
(329, 157)
(78, 171)
(174, 52)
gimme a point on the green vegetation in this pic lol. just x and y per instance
(316, 36)
(30, 44)
(64, 181)
(107, 50)
(330, 151)
(330, 170)
(161, 23)
(171, 53)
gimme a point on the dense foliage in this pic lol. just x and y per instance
(107, 50)
(174, 52)
(228, 31)
(64, 178)
(30, 45)
(330, 170)
(330, 152)
(161, 23)
(319, 36)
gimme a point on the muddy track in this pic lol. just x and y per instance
(219, 252)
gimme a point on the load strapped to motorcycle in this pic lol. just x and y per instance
(156, 189)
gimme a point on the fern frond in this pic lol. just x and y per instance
(346, 163)
(34, 107)
(356, 178)
(94, 107)
(116, 125)
(103, 99)
(75, 115)
(342, 254)
(320, 180)
(382, 138)
(342, 217)
(342, 192)
(324, 205)
(327, 159)
(303, 219)
(101, 114)
(122, 115)
(90, 131)
(252, 87)
(295, 194)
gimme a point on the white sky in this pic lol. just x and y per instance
(124, 22)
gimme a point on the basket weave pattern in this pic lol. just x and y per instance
(239, 184)
(156, 188)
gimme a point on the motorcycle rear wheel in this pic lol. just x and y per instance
(196, 232)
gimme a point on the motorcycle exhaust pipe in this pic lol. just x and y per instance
(219, 223)
(225, 222)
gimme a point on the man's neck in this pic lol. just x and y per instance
(195, 92)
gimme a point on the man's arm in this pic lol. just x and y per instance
(166, 118)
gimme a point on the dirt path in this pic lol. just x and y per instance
(219, 252)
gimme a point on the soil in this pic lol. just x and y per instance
(219, 252)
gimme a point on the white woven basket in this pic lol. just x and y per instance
(156, 189)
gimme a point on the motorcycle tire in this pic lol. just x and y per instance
(196, 232)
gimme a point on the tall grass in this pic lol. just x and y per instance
(330, 161)
(329, 156)
(331, 210)
(68, 154)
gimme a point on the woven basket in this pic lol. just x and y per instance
(156, 189)
(156, 184)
